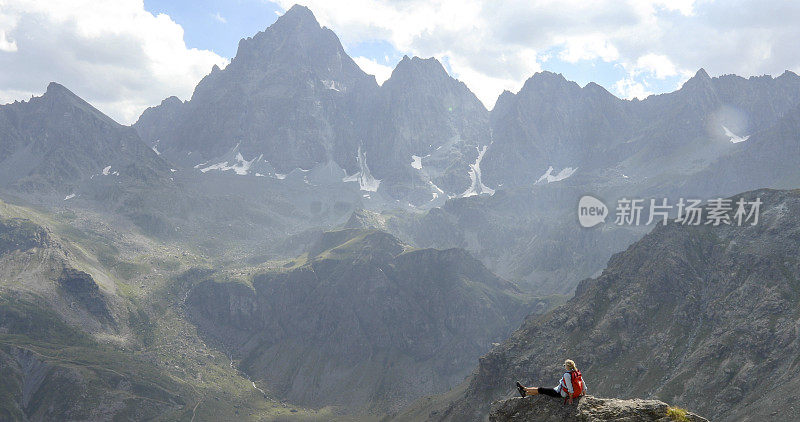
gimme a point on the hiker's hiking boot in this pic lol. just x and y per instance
(521, 389)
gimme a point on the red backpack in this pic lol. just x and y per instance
(577, 385)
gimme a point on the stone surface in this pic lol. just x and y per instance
(584, 409)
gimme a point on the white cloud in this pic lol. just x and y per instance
(486, 85)
(122, 59)
(372, 67)
(588, 47)
(114, 54)
(6, 45)
(629, 89)
(686, 7)
(658, 65)
(219, 18)
(653, 40)
(6, 22)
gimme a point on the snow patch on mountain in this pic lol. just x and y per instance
(734, 138)
(106, 170)
(477, 187)
(240, 166)
(548, 176)
(332, 85)
(364, 178)
(435, 191)
(70, 196)
(416, 162)
(234, 160)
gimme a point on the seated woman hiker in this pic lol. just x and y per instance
(570, 385)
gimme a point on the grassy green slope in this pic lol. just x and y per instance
(152, 365)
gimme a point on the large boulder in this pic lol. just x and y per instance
(586, 409)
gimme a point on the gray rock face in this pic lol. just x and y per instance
(586, 409)
(529, 235)
(421, 111)
(554, 122)
(363, 219)
(671, 146)
(767, 158)
(291, 96)
(18, 234)
(53, 142)
(366, 321)
(699, 316)
(82, 288)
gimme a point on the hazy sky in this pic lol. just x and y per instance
(126, 55)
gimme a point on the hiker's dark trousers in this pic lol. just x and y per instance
(549, 392)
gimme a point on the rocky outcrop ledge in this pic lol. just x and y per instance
(587, 409)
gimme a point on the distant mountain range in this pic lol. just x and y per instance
(292, 101)
(292, 98)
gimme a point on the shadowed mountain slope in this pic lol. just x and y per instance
(57, 142)
(361, 320)
(700, 316)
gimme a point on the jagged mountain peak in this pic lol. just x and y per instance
(298, 16)
(292, 71)
(416, 68)
(546, 82)
(702, 74)
(56, 91)
(172, 100)
(505, 93)
(593, 87)
(60, 96)
(429, 76)
(296, 37)
(547, 75)
(700, 80)
(418, 62)
(55, 88)
(505, 98)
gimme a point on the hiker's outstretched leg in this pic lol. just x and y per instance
(547, 391)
